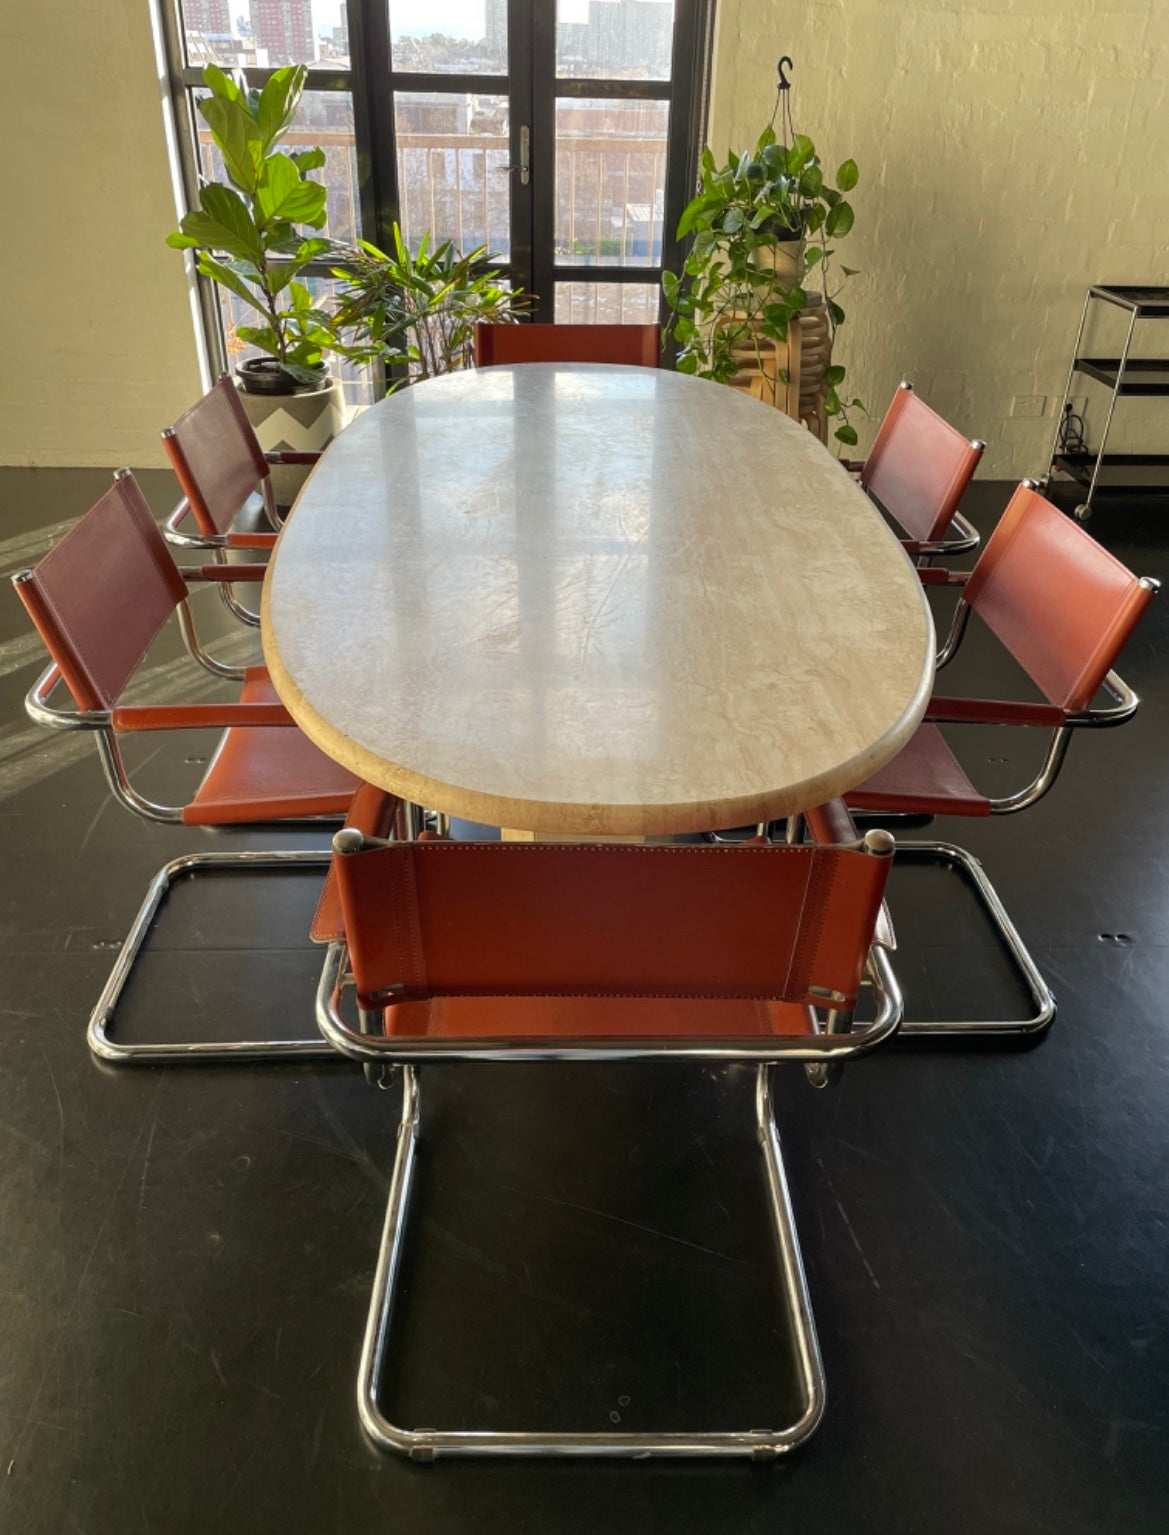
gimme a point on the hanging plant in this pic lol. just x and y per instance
(763, 221)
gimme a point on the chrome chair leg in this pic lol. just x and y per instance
(427, 1444)
(1042, 998)
(102, 1018)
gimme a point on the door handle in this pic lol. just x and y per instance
(525, 165)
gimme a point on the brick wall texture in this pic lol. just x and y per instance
(1011, 153)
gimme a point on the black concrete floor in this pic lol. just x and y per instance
(187, 1254)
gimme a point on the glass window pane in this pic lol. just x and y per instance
(614, 39)
(607, 303)
(356, 382)
(460, 37)
(324, 118)
(261, 34)
(454, 151)
(610, 181)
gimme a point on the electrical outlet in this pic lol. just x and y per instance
(1029, 405)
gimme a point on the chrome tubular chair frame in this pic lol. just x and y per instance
(1042, 997)
(821, 1053)
(427, 1444)
(102, 1018)
(219, 543)
(1124, 706)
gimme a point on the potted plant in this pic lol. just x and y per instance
(249, 239)
(417, 313)
(762, 221)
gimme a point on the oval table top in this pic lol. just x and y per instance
(597, 601)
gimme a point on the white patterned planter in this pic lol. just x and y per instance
(302, 423)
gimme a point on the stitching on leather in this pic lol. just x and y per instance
(410, 895)
(814, 916)
(649, 996)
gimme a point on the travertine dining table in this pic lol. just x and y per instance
(600, 601)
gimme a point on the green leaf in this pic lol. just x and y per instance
(850, 271)
(689, 215)
(285, 194)
(308, 159)
(800, 154)
(224, 274)
(732, 220)
(847, 434)
(834, 375)
(223, 224)
(813, 254)
(262, 336)
(226, 87)
(181, 242)
(839, 221)
(278, 102)
(237, 138)
(835, 311)
(670, 287)
(847, 176)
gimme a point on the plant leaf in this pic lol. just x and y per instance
(284, 194)
(237, 138)
(847, 434)
(221, 272)
(278, 102)
(224, 224)
(839, 221)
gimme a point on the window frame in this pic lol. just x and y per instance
(532, 79)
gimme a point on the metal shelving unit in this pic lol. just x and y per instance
(1117, 474)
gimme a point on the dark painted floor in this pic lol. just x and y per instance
(187, 1254)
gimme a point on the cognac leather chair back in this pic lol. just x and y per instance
(919, 467)
(449, 919)
(216, 457)
(637, 346)
(101, 595)
(1056, 599)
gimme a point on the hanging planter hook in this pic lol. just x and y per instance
(784, 64)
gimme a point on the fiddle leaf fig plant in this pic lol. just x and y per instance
(418, 311)
(246, 233)
(733, 293)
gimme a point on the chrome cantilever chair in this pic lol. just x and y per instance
(221, 467)
(98, 599)
(637, 346)
(1064, 608)
(918, 471)
(522, 952)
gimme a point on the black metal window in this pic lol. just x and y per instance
(562, 134)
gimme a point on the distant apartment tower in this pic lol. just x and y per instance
(496, 28)
(620, 38)
(209, 17)
(284, 28)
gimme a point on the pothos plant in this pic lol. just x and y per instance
(246, 233)
(729, 295)
(418, 312)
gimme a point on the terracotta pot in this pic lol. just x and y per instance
(305, 422)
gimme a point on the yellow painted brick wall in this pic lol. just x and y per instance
(99, 343)
(1011, 153)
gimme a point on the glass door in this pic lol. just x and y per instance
(561, 134)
